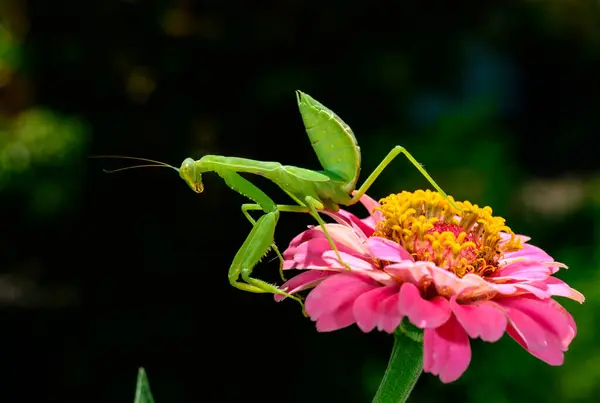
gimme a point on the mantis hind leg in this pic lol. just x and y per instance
(383, 164)
(245, 209)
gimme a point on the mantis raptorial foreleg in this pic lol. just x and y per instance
(258, 242)
(245, 209)
(280, 207)
(383, 164)
(312, 209)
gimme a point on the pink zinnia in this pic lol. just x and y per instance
(456, 273)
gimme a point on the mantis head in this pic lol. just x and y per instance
(190, 173)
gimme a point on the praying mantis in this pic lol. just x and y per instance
(339, 155)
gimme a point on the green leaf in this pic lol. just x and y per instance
(142, 389)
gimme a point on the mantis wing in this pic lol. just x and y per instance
(306, 174)
(332, 139)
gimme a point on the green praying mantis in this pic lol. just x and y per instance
(339, 155)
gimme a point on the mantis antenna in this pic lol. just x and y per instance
(112, 171)
(154, 163)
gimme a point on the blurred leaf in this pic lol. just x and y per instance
(10, 55)
(142, 389)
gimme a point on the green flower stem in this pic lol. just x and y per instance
(404, 368)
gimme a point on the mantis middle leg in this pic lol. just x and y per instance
(383, 164)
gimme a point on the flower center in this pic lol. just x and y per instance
(430, 228)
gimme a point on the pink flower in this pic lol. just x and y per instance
(456, 273)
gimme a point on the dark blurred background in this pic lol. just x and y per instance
(101, 274)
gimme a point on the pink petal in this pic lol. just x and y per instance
(547, 313)
(384, 249)
(375, 216)
(570, 335)
(506, 237)
(538, 289)
(388, 316)
(298, 241)
(410, 272)
(342, 317)
(356, 223)
(346, 236)
(288, 265)
(334, 292)
(370, 223)
(422, 313)
(301, 238)
(483, 319)
(446, 351)
(529, 335)
(302, 281)
(349, 220)
(504, 289)
(523, 270)
(369, 203)
(560, 288)
(446, 282)
(310, 254)
(357, 265)
(534, 337)
(529, 252)
(365, 307)
(339, 217)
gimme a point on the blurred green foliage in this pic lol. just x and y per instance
(10, 55)
(142, 388)
(40, 149)
(40, 152)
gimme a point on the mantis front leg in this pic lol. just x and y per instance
(245, 209)
(258, 242)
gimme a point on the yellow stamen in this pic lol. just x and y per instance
(463, 241)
